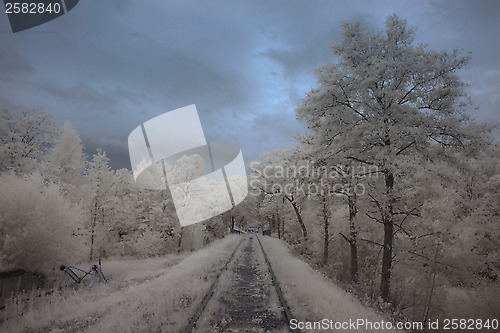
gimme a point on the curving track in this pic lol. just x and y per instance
(245, 296)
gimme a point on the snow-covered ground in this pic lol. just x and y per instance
(157, 294)
(161, 295)
(313, 298)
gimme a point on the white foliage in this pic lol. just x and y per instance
(36, 225)
(24, 141)
(66, 160)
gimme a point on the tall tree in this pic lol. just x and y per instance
(100, 180)
(66, 161)
(386, 98)
(25, 140)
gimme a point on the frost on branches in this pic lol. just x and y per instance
(387, 103)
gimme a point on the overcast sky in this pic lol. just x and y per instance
(108, 66)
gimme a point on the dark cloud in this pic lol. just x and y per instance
(13, 63)
(108, 66)
(298, 61)
(80, 94)
(104, 99)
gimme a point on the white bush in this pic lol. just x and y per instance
(36, 224)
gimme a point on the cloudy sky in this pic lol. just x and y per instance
(108, 66)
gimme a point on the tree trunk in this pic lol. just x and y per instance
(232, 223)
(326, 233)
(299, 218)
(429, 298)
(279, 224)
(179, 244)
(92, 232)
(193, 235)
(282, 228)
(387, 219)
(353, 237)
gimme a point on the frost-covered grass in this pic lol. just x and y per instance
(482, 303)
(161, 294)
(156, 294)
(310, 295)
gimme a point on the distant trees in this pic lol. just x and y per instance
(277, 175)
(56, 204)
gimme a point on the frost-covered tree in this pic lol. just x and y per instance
(36, 225)
(100, 183)
(269, 208)
(341, 178)
(25, 140)
(244, 213)
(277, 174)
(471, 192)
(349, 178)
(387, 99)
(184, 180)
(120, 220)
(66, 162)
(66, 159)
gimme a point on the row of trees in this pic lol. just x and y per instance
(391, 151)
(58, 206)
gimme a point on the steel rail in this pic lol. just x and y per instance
(286, 309)
(210, 292)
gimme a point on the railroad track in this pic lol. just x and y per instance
(245, 296)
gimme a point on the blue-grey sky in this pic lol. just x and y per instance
(108, 66)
